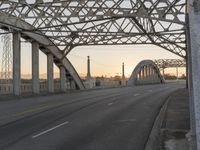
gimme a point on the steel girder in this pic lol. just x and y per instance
(70, 23)
(169, 63)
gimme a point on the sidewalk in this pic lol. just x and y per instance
(176, 123)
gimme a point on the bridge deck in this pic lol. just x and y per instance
(111, 119)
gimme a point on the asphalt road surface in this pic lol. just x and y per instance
(108, 119)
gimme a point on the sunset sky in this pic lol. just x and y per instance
(105, 60)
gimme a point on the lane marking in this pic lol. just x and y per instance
(150, 90)
(53, 128)
(128, 120)
(110, 104)
(137, 94)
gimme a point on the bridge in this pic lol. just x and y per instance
(146, 72)
(57, 27)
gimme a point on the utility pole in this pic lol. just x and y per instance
(123, 75)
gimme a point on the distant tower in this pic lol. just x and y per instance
(6, 64)
(88, 68)
(123, 75)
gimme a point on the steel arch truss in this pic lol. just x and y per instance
(169, 63)
(70, 23)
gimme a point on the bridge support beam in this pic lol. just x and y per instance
(194, 24)
(16, 63)
(35, 68)
(142, 73)
(72, 84)
(62, 79)
(50, 80)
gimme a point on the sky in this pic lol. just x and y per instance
(105, 60)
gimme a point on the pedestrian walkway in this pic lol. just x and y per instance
(176, 123)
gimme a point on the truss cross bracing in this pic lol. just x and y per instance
(6, 62)
(169, 63)
(70, 23)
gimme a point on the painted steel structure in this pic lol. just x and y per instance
(146, 72)
(6, 62)
(98, 22)
(56, 27)
(59, 26)
(169, 63)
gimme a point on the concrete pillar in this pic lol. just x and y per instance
(35, 68)
(194, 86)
(72, 84)
(144, 70)
(146, 75)
(142, 73)
(151, 74)
(163, 72)
(62, 79)
(50, 80)
(16, 63)
(149, 71)
(154, 75)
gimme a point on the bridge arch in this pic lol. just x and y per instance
(146, 72)
(17, 25)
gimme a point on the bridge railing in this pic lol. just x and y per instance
(7, 88)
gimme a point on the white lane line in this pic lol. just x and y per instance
(128, 120)
(137, 94)
(150, 90)
(53, 128)
(110, 104)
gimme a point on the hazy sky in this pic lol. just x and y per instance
(105, 60)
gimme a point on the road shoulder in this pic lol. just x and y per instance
(172, 124)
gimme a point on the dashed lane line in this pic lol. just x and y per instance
(49, 130)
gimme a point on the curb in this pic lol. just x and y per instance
(154, 140)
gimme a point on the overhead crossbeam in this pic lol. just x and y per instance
(169, 63)
(104, 22)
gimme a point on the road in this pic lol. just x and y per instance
(108, 119)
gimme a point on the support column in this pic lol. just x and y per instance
(50, 81)
(151, 74)
(149, 69)
(16, 63)
(35, 68)
(72, 84)
(194, 70)
(62, 79)
(146, 74)
(142, 70)
(163, 72)
(140, 75)
(154, 75)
